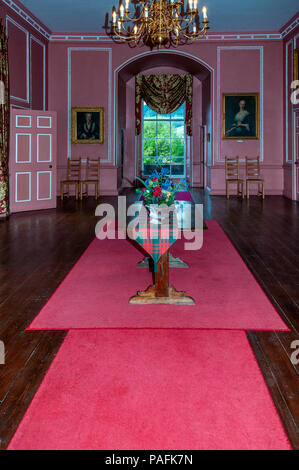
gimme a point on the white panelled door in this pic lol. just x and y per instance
(32, 162)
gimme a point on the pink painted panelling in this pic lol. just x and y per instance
(90, 89)
(27, 60)
(242, 73)
(239, 73)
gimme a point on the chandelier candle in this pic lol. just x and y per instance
(158, 23)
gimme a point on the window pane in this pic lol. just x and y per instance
(164, 116)
(149, 129)
(149, 148)
(177, 148)
(148, 113)
(148, 169)
(163, 148)
(177, 129)
(180, 113)
(178, 161)
(163, 130)
(149, 161)
(164, 161)
(177, 170)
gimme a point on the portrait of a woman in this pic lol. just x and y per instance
(240, 118)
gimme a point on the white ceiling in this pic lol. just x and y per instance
(224, 15)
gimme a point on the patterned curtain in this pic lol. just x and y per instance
(4, 121)
(164, 94)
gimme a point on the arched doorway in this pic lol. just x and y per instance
(128, 147)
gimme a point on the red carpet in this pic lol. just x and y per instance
(227, 295)
(155, 390)
(184, 196)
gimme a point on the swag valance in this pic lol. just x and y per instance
(4, 121)
(164, 94)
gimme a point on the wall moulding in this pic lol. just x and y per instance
(28, 18)
(25, 100)
(210, 37)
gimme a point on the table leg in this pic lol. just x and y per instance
(162, 276)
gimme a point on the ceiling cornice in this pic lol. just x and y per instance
(89, 37)
(28, 17)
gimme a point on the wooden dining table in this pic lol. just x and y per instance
(156, 243)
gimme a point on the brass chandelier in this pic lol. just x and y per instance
(157, 23)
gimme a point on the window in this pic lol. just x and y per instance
(164, 137)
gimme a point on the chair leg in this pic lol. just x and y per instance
(263, 190)
(61, 191)
(247, 189)
(227, 190)
(97, 190)
(81, 191)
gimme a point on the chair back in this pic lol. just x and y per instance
(74, 169)
(93, 169)
(231, 168)
(253, 169)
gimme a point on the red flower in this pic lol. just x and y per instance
(155, 179)
(143, 189)
(157, 191)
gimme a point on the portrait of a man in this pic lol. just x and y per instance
(241, 116)
(87, 125)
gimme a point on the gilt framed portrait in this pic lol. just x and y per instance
(240, 116)
(87, 125)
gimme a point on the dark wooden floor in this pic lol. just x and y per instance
(38, 249)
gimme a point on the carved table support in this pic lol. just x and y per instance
(161, 292)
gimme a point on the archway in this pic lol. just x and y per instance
(200, 146)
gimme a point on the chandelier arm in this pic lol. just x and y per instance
(128, 18)
(127, 37)
(130, 34)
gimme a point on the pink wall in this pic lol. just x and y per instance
(27, 59)
(290, 43)
(82, 74)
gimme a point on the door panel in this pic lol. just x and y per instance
(32, 166)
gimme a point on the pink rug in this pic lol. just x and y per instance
(96, 292)
(153, 390)
(184, 196)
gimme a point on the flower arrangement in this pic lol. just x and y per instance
(160, 189)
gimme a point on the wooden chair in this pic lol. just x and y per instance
(73, 178)
(92, 177)
(253, 175)
(232, 176)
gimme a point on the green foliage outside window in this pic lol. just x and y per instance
(164, 137)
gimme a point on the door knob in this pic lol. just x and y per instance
(50, 166)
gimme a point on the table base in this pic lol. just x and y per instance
(149, 297)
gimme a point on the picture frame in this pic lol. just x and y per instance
(240, 116)
(87, 125)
